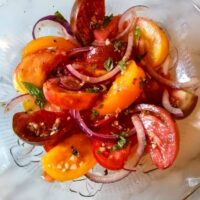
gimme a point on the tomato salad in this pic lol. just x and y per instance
(100, 92)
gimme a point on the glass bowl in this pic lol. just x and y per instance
(20, 167)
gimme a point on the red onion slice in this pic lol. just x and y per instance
(170, 83)
(130, 26)
(78, 50)
(13, 102)
(108, 75)
(133, 10)
(53, 23)
(129, 47)
(89, 132)
(167, 105)
(89, 79)
(98, 43)
(166, 66)
(134, 159)
(110, 178)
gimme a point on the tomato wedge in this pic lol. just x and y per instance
(108, 158)
(42, 127)
(126, 88)
(35, 68)
(46, 42)
(67, 99)
(85, 15)
(70, 159)
(162, 134)
(109, 31)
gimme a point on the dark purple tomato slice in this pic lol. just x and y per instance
(42, 127)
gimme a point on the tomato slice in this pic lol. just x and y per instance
(35, 68)
(46, 42)
(42, 127)
(67, 99)
(109, 31)
(163, 140)
(70, 159)
(108, 158)
(85, 15)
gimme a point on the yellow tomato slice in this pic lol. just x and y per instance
(155, 41)
(60, 162)
(47, 42)
(124, 91)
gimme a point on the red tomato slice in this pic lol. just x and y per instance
(42, 127)
(85, 14)
(109, 31)
(163, 140)
(108, 158)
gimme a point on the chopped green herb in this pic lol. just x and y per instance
(59, 16)
(100, 106)
(134, 80)
(3, 104)
(122, 65)
(96, 25)
(94, 114)
(139, 58)
(107, 20)
(117, 46)
(109, 64)
(92, 90)
(142, 82)
(98, 151)
(137, 33)
(122, 141)
(74, 151)
(93, 68)
(35, 92)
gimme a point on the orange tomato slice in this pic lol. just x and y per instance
(47, 42)
(60, 162)
(155, 41)
(124, 91)
(34, 68)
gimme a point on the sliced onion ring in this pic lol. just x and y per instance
(108, 75)
(130, 26)
(167, 105)
(13, 102)
(110, 178)
(170, 83)
(78, 50)
(89, 79)
(132, 10)
(76, 114)
(134, 158)
(63, 27)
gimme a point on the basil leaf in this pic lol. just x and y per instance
(59, 16)
(122, 141)
(107, 20)
(117, 45)
(94, 114)
(109, 64)
(35, 92)
(137, 33)
(122, 65)
(92, 90)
